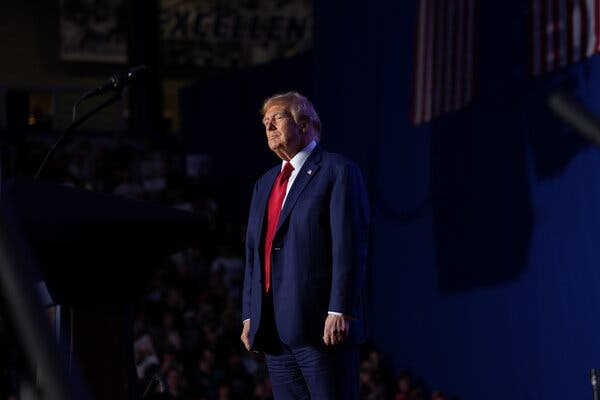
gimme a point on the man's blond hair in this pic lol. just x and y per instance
(300, 107)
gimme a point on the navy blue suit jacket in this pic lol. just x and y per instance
(319, 251)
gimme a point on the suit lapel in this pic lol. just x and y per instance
(263, 198)
(308, 170)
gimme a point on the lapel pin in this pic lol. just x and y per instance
(309, 172)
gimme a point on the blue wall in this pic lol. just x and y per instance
(485, 262)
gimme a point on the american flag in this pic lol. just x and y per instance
(562, 32)
(444, 60)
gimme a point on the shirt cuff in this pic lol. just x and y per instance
(244, 321)
(334, 313)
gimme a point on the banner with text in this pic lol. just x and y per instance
(233, 33)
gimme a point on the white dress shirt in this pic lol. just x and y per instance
(297, 162)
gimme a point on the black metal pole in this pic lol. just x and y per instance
(72, 127)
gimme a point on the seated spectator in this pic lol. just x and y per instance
(403, 386)
(175, 383)
(437, 395)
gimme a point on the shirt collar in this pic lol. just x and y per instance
(298, 160)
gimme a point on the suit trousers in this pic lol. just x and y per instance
(307, 372)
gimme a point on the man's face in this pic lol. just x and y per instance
(284, 136)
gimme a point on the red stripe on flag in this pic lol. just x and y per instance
(569, 28)
(532, 41)
(563, 33)
(549, 35)
(556, 34)
(417, 63)
(447, 56)
(440, 56)
(460, 94)
(583, 32)
(449, 105)
(473, 62)
(543, 40)
(597, 24)
(426, 110)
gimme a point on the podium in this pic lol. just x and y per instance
(96, 253)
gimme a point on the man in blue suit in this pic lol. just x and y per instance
(306, 254)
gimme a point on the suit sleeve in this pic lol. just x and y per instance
(249, 263)
(349, 220)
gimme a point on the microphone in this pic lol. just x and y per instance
(116, 82)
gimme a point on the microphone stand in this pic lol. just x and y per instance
(39, 346)
(76, 123)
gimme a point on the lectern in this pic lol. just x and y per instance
(96, 253)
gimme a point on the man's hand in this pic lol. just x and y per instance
(336, 329)
(246, 334)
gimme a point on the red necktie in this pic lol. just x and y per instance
(273, 211)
